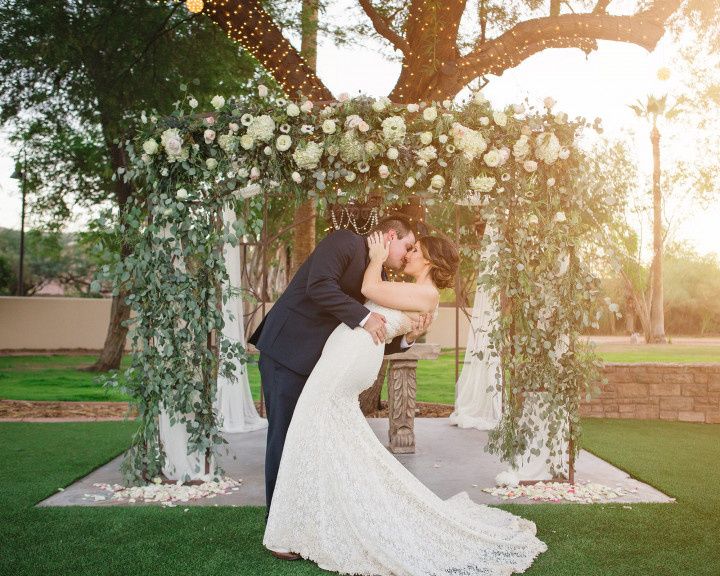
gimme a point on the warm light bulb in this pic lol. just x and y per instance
(195, 6)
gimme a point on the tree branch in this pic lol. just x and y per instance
(566, 31)
(601, 7)
(383, 28)
(247, 22)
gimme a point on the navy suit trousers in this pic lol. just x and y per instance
(281, 388)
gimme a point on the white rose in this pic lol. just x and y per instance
(383, 171)
(430, 113)
(248, 191)
(492, 158)
(410, 182)
(560, 217)
(328, 126)
(437, 181)
(393, 153)
(217, 102)
(551, 182)
(547, 147)
(504, 155)
(193, 103)
(379, 105)
(479, 98)
(211, 163)
(485, 121)
(247, 141)
(262, 91)
(182, 194)
(363, 126)
(413, 108)
(533, 219)
(426, 138)
(267, 151)
(521, 147)
(254, 173)
(293, 110)
(500, 118)
(296, 177)
(447, 104)
(209, 136)
(150, 146)
(564, 153)
(350, 176)
(530, 165)
(306, 106)
(352, 121)
(283, 142)
(145, 158)
(233, 127)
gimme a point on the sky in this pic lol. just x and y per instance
(601, 84)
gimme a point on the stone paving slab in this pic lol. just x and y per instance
(448, 460)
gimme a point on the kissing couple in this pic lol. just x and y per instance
(335, 495)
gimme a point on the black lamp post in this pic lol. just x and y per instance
(20, 175)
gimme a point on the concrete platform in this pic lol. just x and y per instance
(448, 460)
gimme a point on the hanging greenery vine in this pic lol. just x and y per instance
(520, 166)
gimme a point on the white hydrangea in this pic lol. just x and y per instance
(521, 148)
(393, 129)
(468, 140)
(371, 148)
(261, 128)
(547, 147)
(351, 149)
(308, 156)
(217, 102)
(283, 142)
(482, 183)
(426, 154)
(228, 142)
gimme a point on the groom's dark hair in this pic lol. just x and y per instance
(401, 224)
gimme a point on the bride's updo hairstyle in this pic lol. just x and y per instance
(443, 257)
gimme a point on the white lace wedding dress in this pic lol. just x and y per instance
(343, 501)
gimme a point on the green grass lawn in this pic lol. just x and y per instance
(583, 540)
(55, 377)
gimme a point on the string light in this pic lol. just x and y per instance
(195, 6)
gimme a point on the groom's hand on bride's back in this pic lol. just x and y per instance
(375, 324)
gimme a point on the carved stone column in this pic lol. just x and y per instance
(402, 386)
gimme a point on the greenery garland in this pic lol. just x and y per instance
(521, 166)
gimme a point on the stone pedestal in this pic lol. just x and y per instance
(402, 387)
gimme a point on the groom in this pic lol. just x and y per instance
(324, 292)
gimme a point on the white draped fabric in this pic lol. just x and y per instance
(475, 406)
(234, 400)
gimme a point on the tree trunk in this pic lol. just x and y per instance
(305, 216)
(114, 346)
(657, 316)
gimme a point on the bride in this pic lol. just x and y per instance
(341, 499)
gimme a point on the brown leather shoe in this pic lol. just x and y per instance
(285, 555)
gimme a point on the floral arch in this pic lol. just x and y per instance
(521, 168)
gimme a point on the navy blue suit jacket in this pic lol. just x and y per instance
(324, 292)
